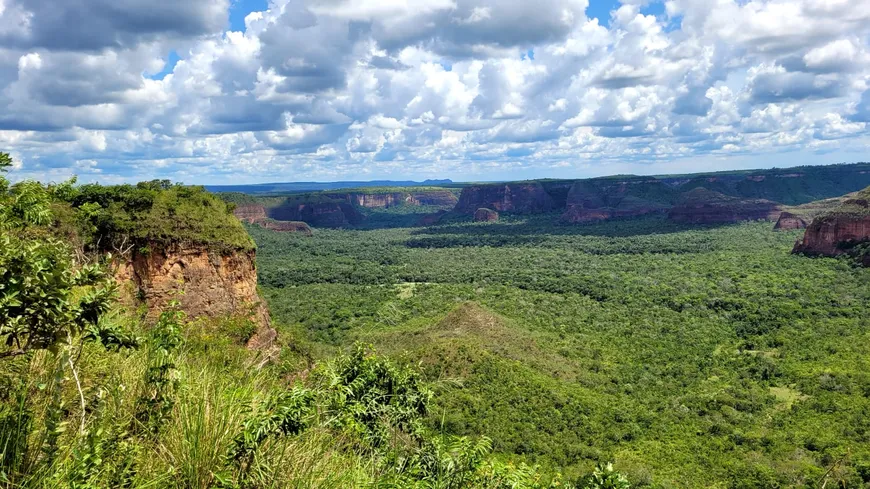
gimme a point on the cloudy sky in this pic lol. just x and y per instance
(239, 91)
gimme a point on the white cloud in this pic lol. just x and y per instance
(479, 88)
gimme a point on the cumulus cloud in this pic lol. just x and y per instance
(462, 88)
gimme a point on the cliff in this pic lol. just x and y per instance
(207, 283)
(485, 215)
(286, 226)
(250, 213)
(702, 206)
(392, 199)
(525, 197)
(843, 230)
(606, 198)
(328, 214)
(256, 214)
(431, 219)
(788, 220)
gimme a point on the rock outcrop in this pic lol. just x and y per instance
(485, 215)
(392, 199)
(607, 198)
(788, 221)
(702, 206)
(250, 213)
(286, 226)
(207, 283)
(256, 214)
(431, 219)
(318, 214)
(524, 198)
(844, 230)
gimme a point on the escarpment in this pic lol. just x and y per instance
(256, 214)
(485, 215)
(524, 197)
(842, 231)
(250, 213)
(393, 199)
(702, 206)
(207, 283)
(319, 214)
(600, 199)
(788, 220)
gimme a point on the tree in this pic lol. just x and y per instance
(45, 299)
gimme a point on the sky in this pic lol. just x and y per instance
(247, 91)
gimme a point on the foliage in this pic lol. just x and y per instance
(372, 397)
(690, 356)
(604, 477)
(121, 217)
(161, 376)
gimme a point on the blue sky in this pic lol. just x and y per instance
(414, 89)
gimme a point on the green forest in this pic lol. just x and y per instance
(690, 357)
(517, 354)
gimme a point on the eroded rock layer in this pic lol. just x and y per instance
(207, 283)
(788, 221)
(843, 230)
(702, 206)
(485, 215)
(523, 198)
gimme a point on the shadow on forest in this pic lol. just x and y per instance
(549, 224)
(538, 229)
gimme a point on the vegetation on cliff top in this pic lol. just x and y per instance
(853, 206)
(156, 212)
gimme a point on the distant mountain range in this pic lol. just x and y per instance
(272, 188)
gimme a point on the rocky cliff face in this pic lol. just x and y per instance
(431, 219)
(256, 214)
(843, 230)
(286, 226)
(485, 215)
(318, 214)
(787, 221)
(393, 199)
(600, 199)
(212, 284)
(512, 197)
(702, 206)
(834, 236)
(250, 213)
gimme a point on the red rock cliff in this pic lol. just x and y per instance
(214, 284)
(787, 221)
(702, 206)
(393, 199)
(511, 197)
(840, 230)
(250, 213)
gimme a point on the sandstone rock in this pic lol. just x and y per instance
(393, 199)
(318, 214)
(431, 219)
(702, 206)
(787, 220)
(211, 284)
(526, 197)
(485, 215)
(606, 198)
(250, 213)
(286, 226)
(840, 231)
